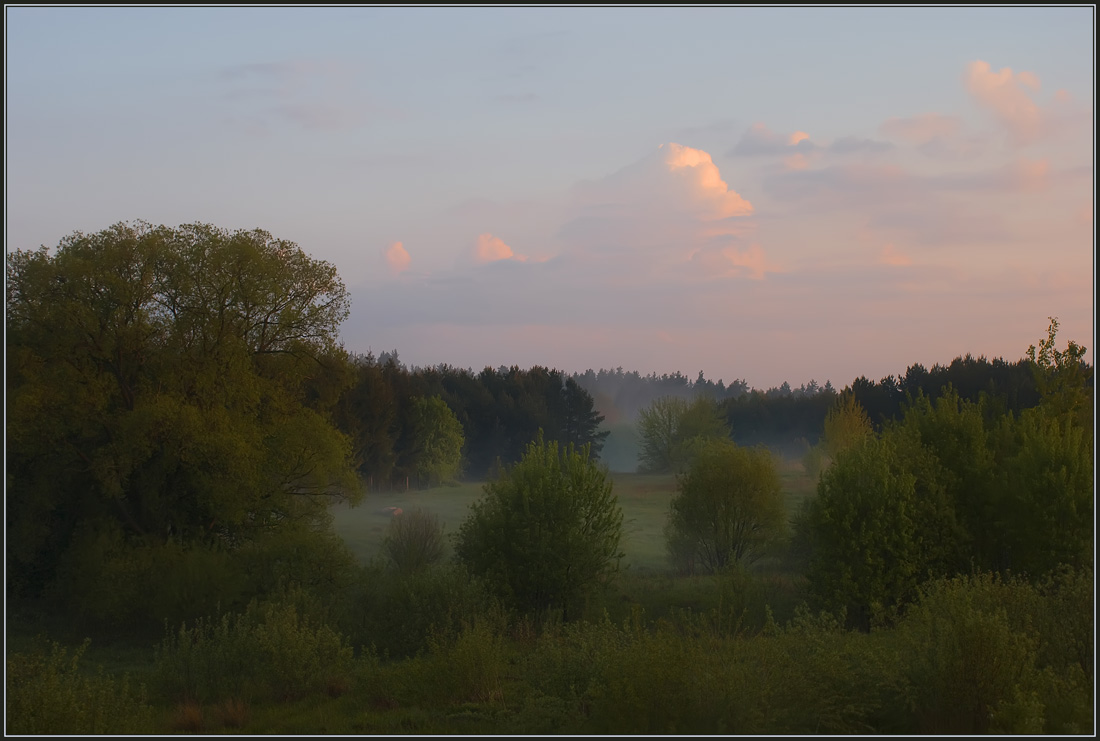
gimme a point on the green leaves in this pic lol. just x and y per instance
(433, 440)
(672, 430)
(729, 508)
(173, 380)
(547, 531)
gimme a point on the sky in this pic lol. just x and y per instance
(761, 193)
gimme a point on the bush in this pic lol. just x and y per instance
(547, 531)
(972, 657)
(115, 580)
(48, 693)
(397, 613)
(267, 652)
(311, 566)
(414, 541)
(729, 507)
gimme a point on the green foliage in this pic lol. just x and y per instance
(470, 667)
(971, 663)
(814, 679)
(414, 541)
(178, 381)
(1063, 378)
(951, 450)
(304, 563)
(566, 662)
(398, 612)
(269, 652)
(729, 507)
(124, 581)
(953, 485)
(868, 525)
(547, 531)
(1046, 487)
(433, 448)
(846, 425)
(672, 430)
(48, 692)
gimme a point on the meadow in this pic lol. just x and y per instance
(658, 652)
(643, 498)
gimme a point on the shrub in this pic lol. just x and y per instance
(972, 657)
(414, 541)
(397, 612)
(114, 580)
(729, 507)
(268, 652)
(547, 531)
(48, 693)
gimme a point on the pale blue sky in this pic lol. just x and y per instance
(908, 203)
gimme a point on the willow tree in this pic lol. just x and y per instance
(173, 382)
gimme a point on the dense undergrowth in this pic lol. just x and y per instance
(430, 652)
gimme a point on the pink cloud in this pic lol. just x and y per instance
(760, 140)
(490, 249)
(751, 260)
(705, 182)
(1002, 93)
(1031, 175)
(732, 262)
(397, 257)
(890, 256)
(796, 161)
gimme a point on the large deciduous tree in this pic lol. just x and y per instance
(176, 382)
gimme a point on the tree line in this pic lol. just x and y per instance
(491, 417)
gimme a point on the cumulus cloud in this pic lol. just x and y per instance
(490, 249)
(397, 257)
(760, 140)
(665, 204)
(695, 167)
(1002, 94)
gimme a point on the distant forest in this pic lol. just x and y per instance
(501, 410)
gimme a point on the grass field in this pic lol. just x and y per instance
(644, 500)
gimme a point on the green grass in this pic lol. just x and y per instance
(363, 527)
(644, 500)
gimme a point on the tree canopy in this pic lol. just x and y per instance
(176, 381)
(957, 485)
